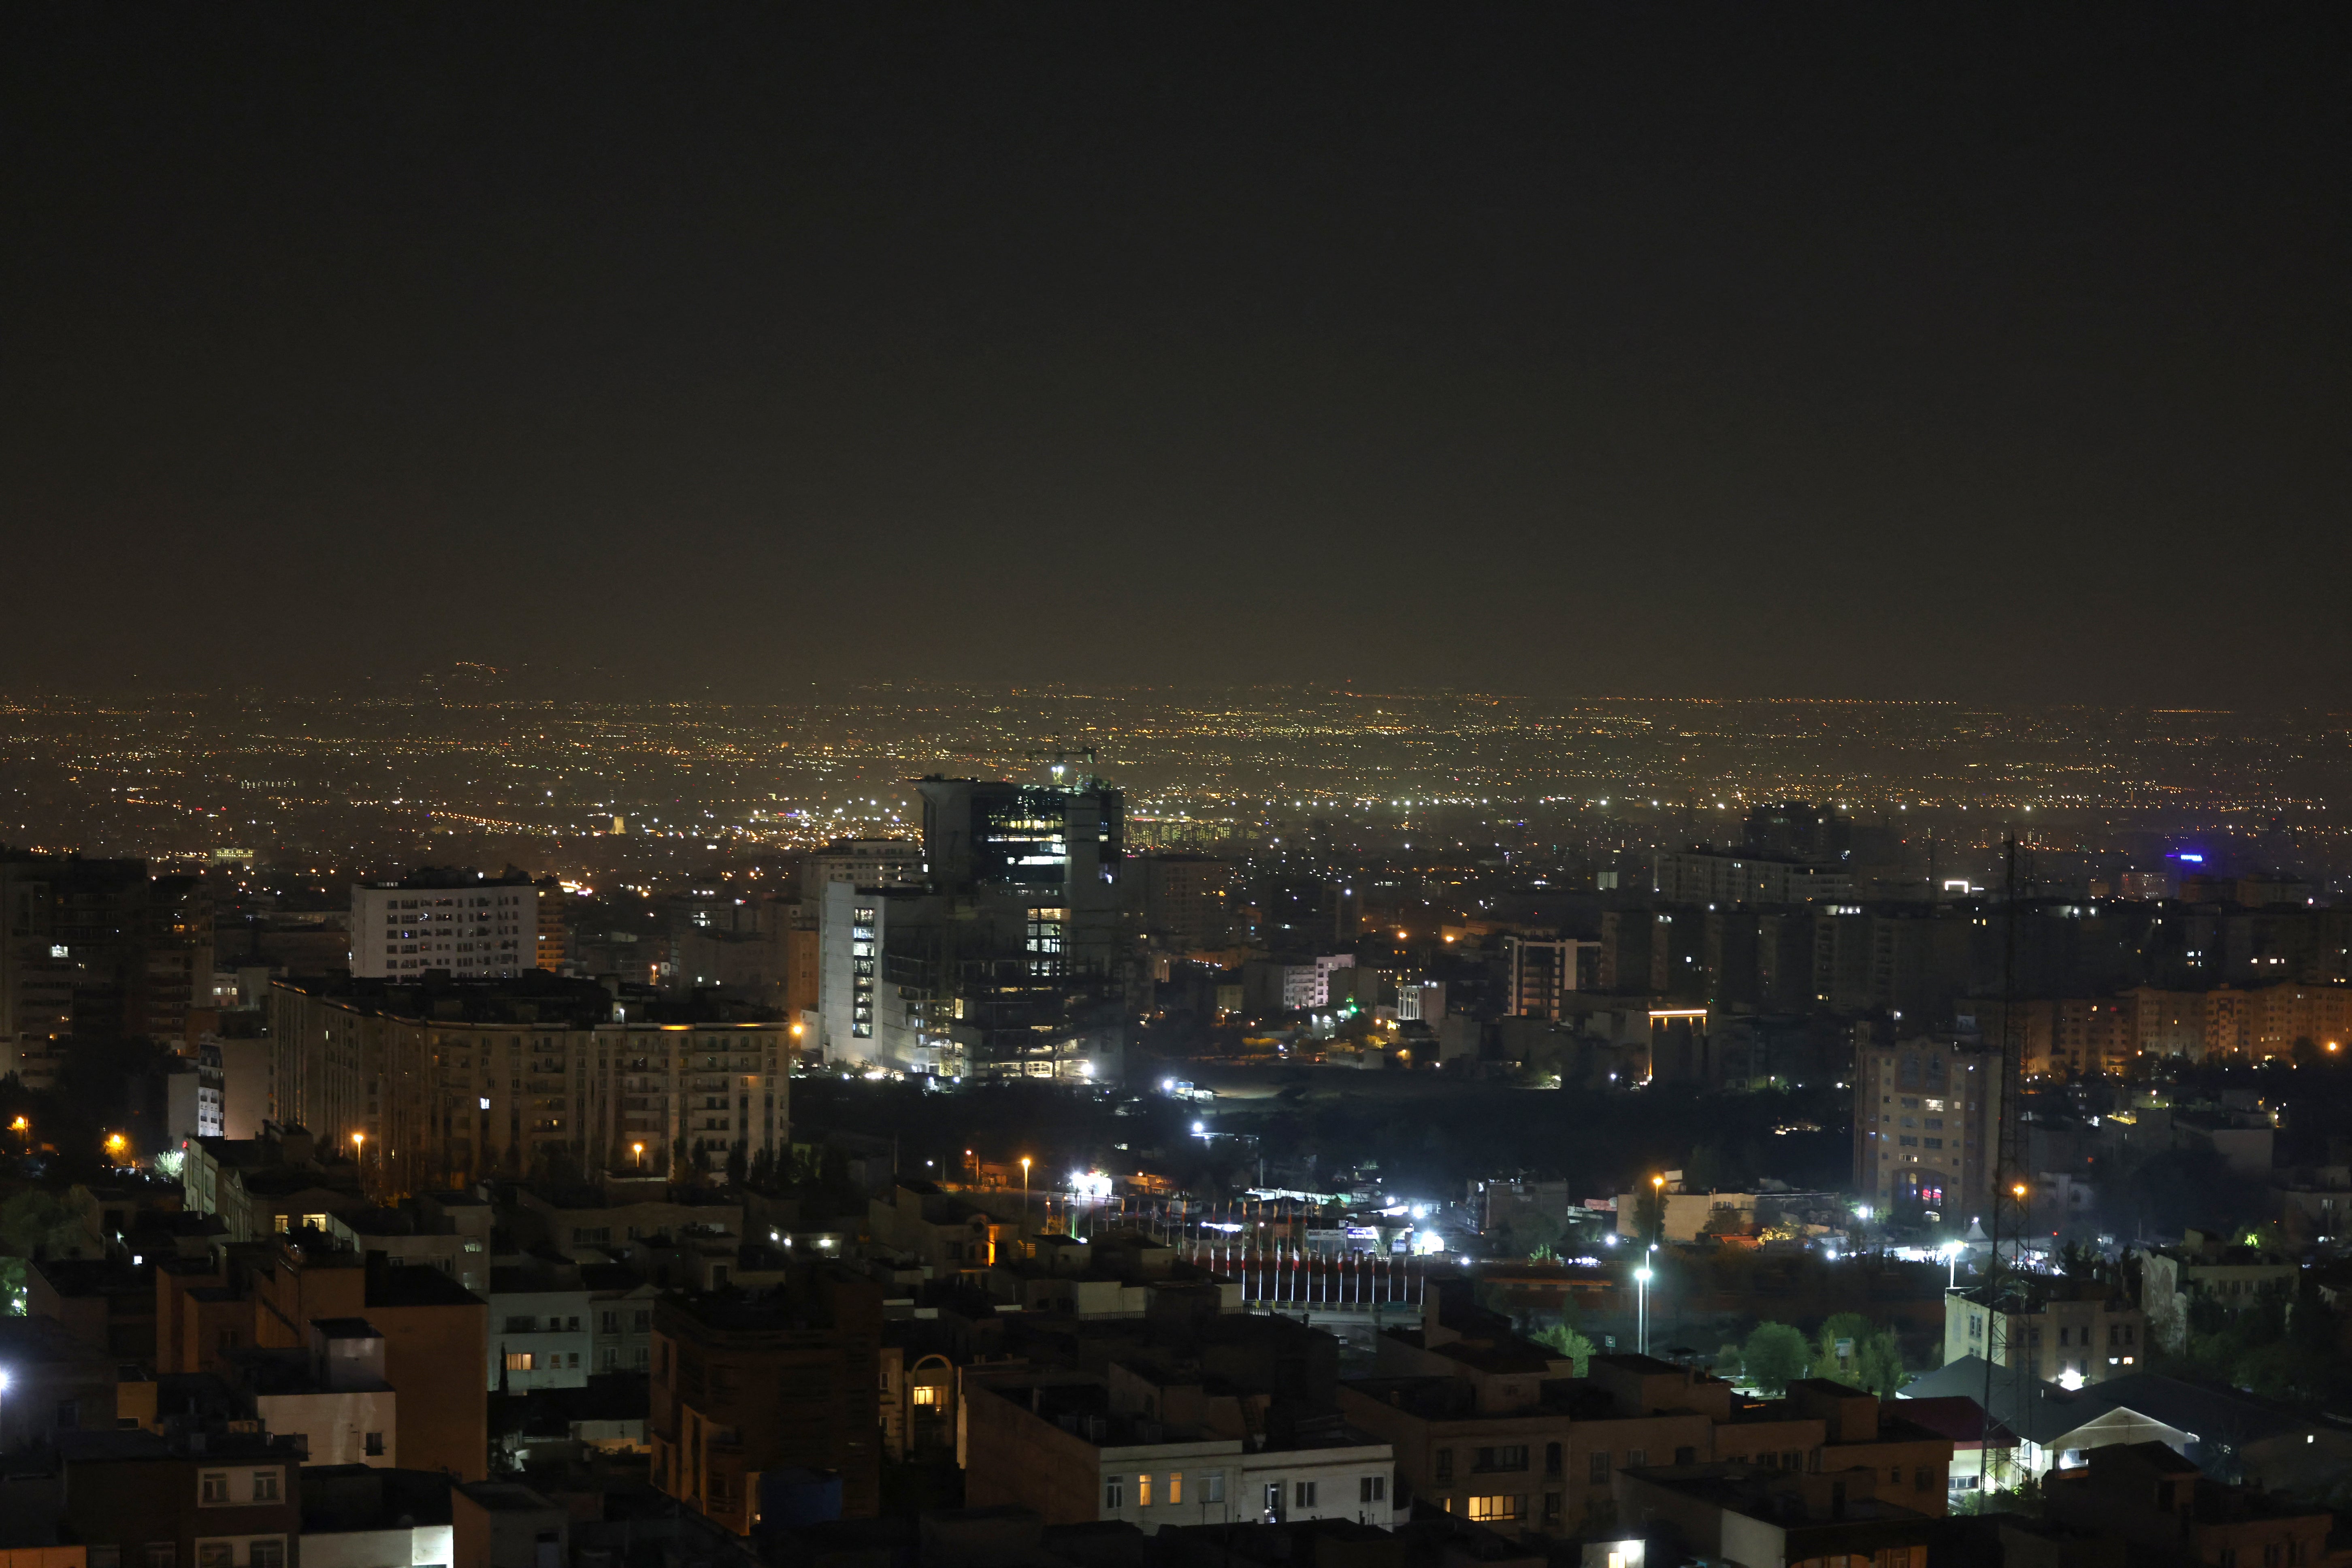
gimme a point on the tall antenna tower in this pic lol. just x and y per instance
(2012, 1183)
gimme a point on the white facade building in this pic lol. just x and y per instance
(866, 862)
(540, 1339)
(472, 926)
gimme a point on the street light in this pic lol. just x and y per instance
(1952, 1250)
(638, 1153)
(1024, 1189)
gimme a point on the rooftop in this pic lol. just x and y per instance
(346, 1498)
(1780, 1497)
(532, 997)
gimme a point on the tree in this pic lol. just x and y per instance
(1774, 1356)
(32, 1223)
(738, 1162)
(1568, 1345)
(1852, 1350)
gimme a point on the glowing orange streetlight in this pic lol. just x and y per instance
(637, 1152)
(117, 1145)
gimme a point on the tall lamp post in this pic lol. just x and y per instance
(1024, 1192)
(359, 1158)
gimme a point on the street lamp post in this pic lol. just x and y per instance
(637, 1156)
(359, 1157)
(1025, 1191)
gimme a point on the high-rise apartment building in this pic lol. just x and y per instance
(1927, 1126)
(1541, 974)
(554, 936)
(1184, 900)
(96, 950)
(864, 863)
(472, 926)
(1711, 877)
(453, 1080)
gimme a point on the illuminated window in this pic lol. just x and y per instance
(925, 1394)
(1175, 1488)
(1143, 1491)
(1497, 1510)
(518, 1360)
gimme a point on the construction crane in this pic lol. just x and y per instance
(1057, 758)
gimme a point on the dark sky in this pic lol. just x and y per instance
(1893, 351)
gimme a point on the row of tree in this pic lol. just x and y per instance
(1849, 1349)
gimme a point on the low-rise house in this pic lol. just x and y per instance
(1739, 1513)
(2056, 1331)
(2053, 1425)
(1067, 1450)
(539, 1320)
(2235, 1436)
(2209, 1270)
(209, 1496)
(331, 1395)
(361, 1516)
(2152, 1498)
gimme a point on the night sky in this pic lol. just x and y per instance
(1592, 349)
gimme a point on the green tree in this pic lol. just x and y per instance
(1852, 1350)
(32, 1223)
(1837, 1349)
(1566, 1343)
(738, 1162)
(1774, 1356)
